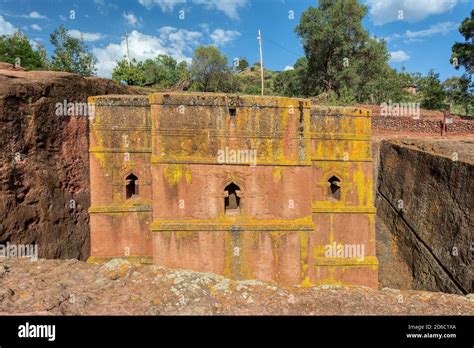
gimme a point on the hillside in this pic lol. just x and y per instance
(250, 80)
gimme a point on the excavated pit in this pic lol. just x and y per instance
(425, 243)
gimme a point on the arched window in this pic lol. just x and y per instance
(131, 186)
(232, 111)
(232, 199)
(334, 189)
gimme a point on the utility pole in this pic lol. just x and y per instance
(261, 59)
(128, 52)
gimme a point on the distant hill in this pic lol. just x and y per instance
(250, 80)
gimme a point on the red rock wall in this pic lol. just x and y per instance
(44, 162)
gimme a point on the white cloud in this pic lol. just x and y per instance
(179, 39)
(417, 36)
(6, 28)
(104, 7)
(171, 41)
(36, 27)
(36, 15)
(399, 56)
(165, 5)
(288, 67)
(132, 19)
(221, 37)
(204, 27)
(91, 37)
(229, 7)
(36, 42)
(392, 37)
(440, 28)
(385, 11)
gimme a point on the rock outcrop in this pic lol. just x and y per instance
(44, 174)
(71, 287)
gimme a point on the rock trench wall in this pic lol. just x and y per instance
(44, 165)
(425, 201)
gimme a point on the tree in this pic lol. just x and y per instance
(209, 69)
(17, 48)
(164, 71)
(459, 91)
(432, 92)
(71, 54)
(290, 83)
(342, 57)
(132, 73)
(243, 64)
(463, 52)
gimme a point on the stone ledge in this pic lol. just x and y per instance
(339, 111)
(346, 262)
(225, 100)
(341, 210)
(305, 224)
(207, 161)
(133, 259)
(119, 209)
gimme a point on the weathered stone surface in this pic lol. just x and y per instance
(425, 200)
(117, 268)
(69, 287)
(409, 125)
(44, 161)
(162, 189)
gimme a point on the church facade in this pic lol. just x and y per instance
(267, 188)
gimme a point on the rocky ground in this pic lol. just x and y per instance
(71, 287)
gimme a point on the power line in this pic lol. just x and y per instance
(283, 48)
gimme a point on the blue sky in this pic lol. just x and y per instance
(420, 33)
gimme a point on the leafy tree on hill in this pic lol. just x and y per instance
(164, 71)
(343, 60)
(464, 51)
(17, 48)
(132, 73)
(458, 90)
(289, 82)
(210, 72)
(243, 64)
(71, 54)
(432, 92)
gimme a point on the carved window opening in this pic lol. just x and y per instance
(232, 111)
(232, 199)
(334, 190)
(131, 186)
